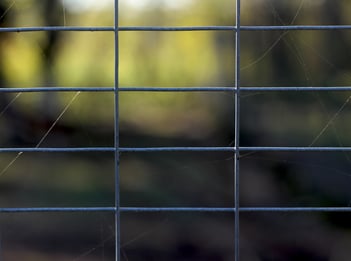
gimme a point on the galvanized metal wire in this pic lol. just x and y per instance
(175, 209)
(116, 135)
(177, 89)
(179, 149)
(174, 28)
(236, 149)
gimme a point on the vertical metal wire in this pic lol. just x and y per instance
(237, 136)
(116, 137)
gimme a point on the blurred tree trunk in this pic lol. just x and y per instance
(11, 119)
(52, 16)
(16, 128)
(335, 41)
(3, 23)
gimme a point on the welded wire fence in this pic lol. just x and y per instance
(237, 90)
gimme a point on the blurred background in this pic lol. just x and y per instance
(175, 59)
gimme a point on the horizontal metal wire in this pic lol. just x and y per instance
(175, 209)
(173, 89)
(242, 209)
(67, 149)
(113, 149)
(180, 149)
(298, 89)
(111, 29)
(177, 89)
(58, 209)
(234, 28)
(58, 28)
(296, 149)
(59, 89)
(233, 89)
(176, 149)
(294, 27)
(296, 209)
(111, 89)
(175, 28)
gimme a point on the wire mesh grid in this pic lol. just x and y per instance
(236, 149)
